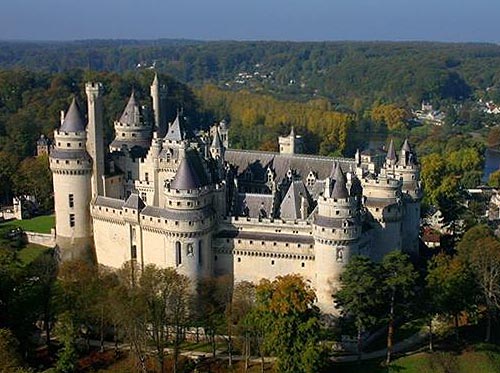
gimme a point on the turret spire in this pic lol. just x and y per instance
(73, 121)
(391, 154)
(340, 187)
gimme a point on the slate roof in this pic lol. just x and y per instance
(254, 205)
(181, 215)
(290, 207)
(191, 173)
(73, 121)
(391, 153)
(131, 115)
(261, 236)
(333, 223)
(406, 146)
(217, 142)
(109, 202)
(175, 131)
(69, 154)
(258, 161)
(134, 202)
(340, 187)
(117, 143)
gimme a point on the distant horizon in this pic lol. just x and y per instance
(423, 41)
(261, 20)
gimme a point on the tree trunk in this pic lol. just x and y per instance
(247, 351)
(456, 327)
(360, 344)
(431, 347)
(115, 338)
(488, 326)
(390, 329)
(47, 331)
(214, 345)
(102, 331)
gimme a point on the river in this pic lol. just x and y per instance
(491, 163)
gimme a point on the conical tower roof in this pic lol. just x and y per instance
(155, 80)
(175, 132)
(406, 146)
(73, 121)
(340, 186)
(131, 115)
(216, 142)
(186, 177)
(391, 153)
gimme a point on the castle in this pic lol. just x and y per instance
(162, 195)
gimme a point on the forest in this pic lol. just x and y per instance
(351, 74)
(339, 96)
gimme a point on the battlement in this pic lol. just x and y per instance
(95, 88)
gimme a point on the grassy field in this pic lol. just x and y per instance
(29, 253)
(480, 358)
(40, 224)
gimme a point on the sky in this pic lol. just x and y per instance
(300, 20)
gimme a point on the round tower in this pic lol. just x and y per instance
(408, 171)
(71, 168)
(131, 129)
(382, 199)
(337, 231)
(189, 199)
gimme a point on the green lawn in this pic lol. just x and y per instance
(29, 253)
(477, 359)
(40, 224)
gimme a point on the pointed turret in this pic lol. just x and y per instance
(175, 131)
(391, 154)
(155, 80)
(406, 146)
(295, 204)
(73, 121)
(340, 187)
(158, 96)
(186, 177)
(216, 142)
(132, 114)
(406, 157)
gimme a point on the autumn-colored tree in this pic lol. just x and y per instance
(450, 287)
(243, 303)
(398, 284)
(359, 295)
(494, 179)
(480, 250)
(33, 178)
(392, 116)
(286, 307)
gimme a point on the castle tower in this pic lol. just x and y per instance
(291, 144)
(217, 147)
(95, 135)
(42, 146)
(159, 97)
(383, 202)
(131, 129)
(408, 171)
(188, 199)
(71, 168)
(337, 232)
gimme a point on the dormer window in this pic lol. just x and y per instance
(311, 179)
(270, 175)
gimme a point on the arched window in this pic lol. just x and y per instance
(178, 254)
